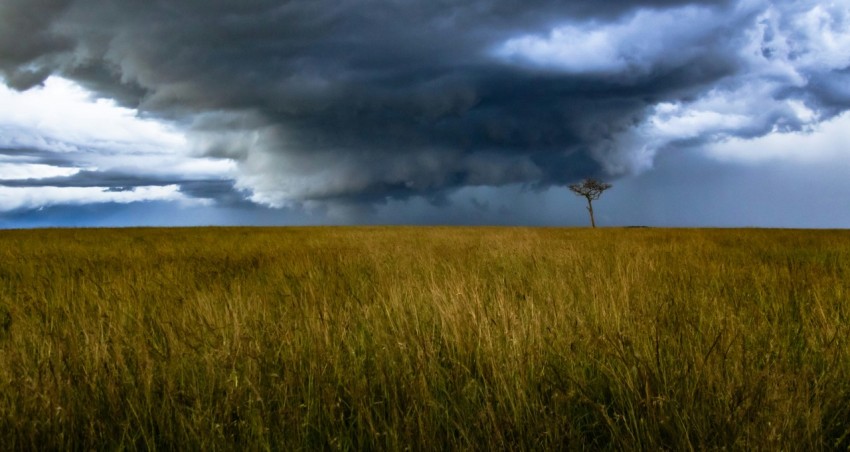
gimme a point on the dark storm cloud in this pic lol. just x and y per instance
(364, 101)
(223, 192)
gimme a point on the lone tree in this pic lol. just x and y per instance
(591, 189)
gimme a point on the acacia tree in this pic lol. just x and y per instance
(591, 189)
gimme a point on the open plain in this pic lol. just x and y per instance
(424, 338)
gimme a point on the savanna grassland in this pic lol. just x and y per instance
(424, 338)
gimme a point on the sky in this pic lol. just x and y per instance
(258, 112)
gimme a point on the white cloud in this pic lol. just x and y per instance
(789, 41)
(164, 165)
(631, 45)
(717, 117)
(780, 49)
(822, 37)
(825, 142)
(61, 116)
(22, 171)
(569, 48)
(673, 121)
(95, 135)
(98, 134)
(12, 198)
(783, 39)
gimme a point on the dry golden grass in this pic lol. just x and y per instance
(424, 338)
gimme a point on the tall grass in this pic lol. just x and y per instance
(424, 338)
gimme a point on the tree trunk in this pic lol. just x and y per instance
(590, 209)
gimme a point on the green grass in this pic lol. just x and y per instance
(424, 338)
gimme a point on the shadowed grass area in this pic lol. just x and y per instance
(424, 338)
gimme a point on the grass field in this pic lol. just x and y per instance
(424, 338)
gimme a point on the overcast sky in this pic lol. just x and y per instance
(194, 112)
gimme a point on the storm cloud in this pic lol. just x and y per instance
(372, 101)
